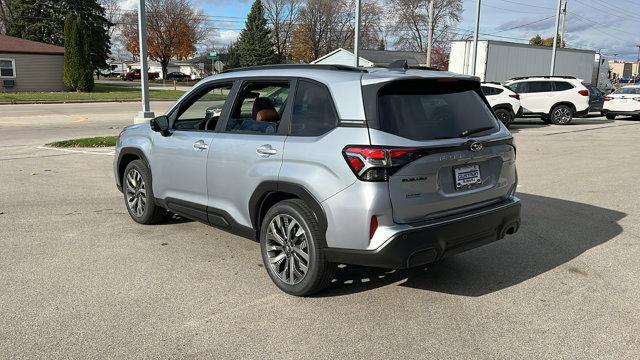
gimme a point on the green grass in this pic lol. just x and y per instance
(100, 141)
(100, 93)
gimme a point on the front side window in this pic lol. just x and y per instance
(428, 110)
(313, 112)
(259, 108)
(203, 110)
(7, 68)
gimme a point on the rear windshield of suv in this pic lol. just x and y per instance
(430, 109)
(628, 91)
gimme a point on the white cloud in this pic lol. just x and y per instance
(226, 37)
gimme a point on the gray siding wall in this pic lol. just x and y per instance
(36, 72)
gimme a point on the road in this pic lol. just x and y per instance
(79, 279)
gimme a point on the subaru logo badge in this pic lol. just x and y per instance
(475, 146)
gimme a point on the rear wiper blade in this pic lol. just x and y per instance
(475, 131)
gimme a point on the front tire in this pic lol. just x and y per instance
(505, 116)
(561, 115)
(138, 194)
(291, 244)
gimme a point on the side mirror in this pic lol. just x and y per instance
(160, 124)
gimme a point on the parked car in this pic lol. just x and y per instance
(556, 99)
(135, 75)
(596, 99)
(394, 169)
(504, 102)
(624, 102)
(178, 76)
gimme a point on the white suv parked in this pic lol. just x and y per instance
(504, 102)
(556, 99)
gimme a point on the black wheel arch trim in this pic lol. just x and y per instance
(130, 151)
(268, 188)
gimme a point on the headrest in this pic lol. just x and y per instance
(267, 115)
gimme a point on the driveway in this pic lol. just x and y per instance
(79, 279)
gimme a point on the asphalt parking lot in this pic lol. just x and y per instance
(79, 279)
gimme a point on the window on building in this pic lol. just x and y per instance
(7, 68)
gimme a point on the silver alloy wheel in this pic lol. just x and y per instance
(136, 192)
(287, 249)
(562, 115)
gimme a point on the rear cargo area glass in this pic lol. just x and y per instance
(433, 109)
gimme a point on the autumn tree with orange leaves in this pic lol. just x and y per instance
(173, 29)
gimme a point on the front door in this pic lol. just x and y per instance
(248, 150)
(180, 159)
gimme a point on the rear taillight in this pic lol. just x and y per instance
(584, 92)
(370, 163)
(515, 96)
(608, 98)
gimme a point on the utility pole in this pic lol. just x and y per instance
(474, 51)
(356, 39)
(431, 28)
(146, 113)
(555, 40)
(564, 22)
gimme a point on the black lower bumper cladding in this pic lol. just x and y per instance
(427, 243)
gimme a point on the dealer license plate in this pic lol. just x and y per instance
(467, 176)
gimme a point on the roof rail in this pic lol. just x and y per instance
(544, 77)
(299, 66)
(404, 65)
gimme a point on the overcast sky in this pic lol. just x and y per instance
(610, 26)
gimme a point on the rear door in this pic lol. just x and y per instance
(247, 149)
(434, 122)
(537, 96)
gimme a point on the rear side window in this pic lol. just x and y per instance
(489, 91)
(537, 87)
(427, 110)
(313, 112)
(562, 85)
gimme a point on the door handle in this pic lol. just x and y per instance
(266, 150)
(200, 145)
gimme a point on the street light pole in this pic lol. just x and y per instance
(430, 37)
(146, 113)
(474, 51)
(555, 40)
(564, 22)
(356, 38)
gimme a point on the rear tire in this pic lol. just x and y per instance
(138, 194)
(291, 245)
(505, 116)
(611, 117)
(561, 115)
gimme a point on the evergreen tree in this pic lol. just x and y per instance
(44, 21)
(70, 52)
(233, 58)
(85, 69)
(254, 45)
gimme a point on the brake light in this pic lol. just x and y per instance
(584, 92)
(370, 163)
(373, 226)
(607, 98)
(515, 96)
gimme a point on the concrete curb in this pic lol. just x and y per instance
(18, 102)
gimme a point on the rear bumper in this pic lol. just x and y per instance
(429, 242)
(606, 112)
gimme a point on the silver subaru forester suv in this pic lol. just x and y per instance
(325, 164)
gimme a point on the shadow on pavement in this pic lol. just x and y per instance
(553, 232)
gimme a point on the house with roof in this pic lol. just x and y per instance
(27, 65)
(372, 58)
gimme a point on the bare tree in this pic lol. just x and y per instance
(173, 26)
(411, 22)
(282, 15)
(5, 15)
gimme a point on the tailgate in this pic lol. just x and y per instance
(426, 188)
